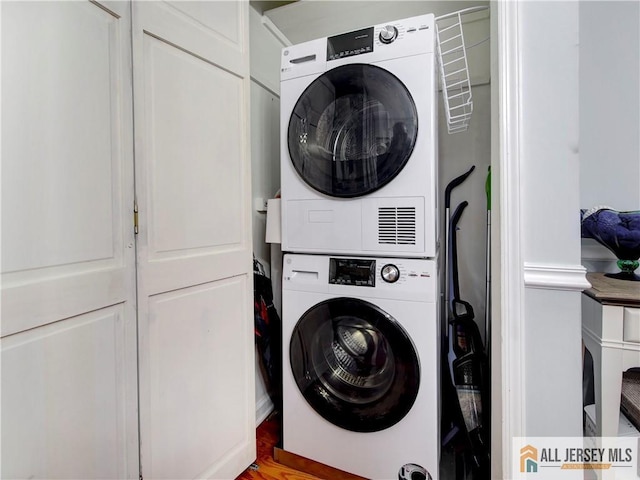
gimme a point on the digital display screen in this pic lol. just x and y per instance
(349, 44)
(356, 272)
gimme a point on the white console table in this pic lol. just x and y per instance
(611, 333)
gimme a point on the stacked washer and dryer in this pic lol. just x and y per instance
(361, 328)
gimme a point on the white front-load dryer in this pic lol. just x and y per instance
(361, 347)
(359, 142)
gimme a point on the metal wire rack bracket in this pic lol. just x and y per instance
(454, 69)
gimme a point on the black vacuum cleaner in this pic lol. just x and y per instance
(464, 389)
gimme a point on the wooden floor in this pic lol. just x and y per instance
(268, 435)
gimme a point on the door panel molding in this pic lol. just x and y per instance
(173, 23)
(48, 301)
(195, 370)
(71, 406)
(189, 150)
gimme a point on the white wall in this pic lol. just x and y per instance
(540, 278)
(550, 136)
(550, 235)
(609, 114)
(458, 152)
(265, 151)
(265, 161)
(610, 104)
(265, 125)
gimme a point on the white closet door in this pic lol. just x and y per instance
(69, 403)
(196, 347)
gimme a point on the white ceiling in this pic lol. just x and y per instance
(309, 19)
(262, 6)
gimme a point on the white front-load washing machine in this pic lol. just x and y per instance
(361, 345)
(359, 142)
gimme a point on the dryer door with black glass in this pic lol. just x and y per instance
(354, 364)
(352, 130)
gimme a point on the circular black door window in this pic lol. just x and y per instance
(354, 364)
(352, 130)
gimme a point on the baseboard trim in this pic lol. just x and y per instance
(264, 408)
(556, 277)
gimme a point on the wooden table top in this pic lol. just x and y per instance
(611, 291)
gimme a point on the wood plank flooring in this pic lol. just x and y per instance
(268, 434)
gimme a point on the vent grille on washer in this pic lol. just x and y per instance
(397, 225)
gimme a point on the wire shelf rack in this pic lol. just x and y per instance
(454, 69)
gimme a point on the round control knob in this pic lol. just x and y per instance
(388, 34)
(390, 273)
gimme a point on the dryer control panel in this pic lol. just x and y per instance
(378, 43)
(349, 44)
(367, 40)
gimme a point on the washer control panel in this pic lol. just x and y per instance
(352, 271)
(361, 272)
(375, 277)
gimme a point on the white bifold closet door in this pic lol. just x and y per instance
(86, 392)
(196, 349)
(69, 385)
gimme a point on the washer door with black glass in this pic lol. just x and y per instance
(354, 364)
(352, 130)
